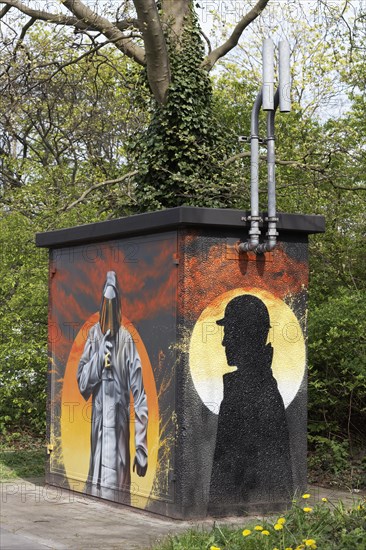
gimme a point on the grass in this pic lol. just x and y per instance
(21, 456)
(325, 526)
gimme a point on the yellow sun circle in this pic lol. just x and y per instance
(207, 357)
(76, 420)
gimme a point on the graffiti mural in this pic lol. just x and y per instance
(108, 412)
(245, 321)
(252, 452)
(109, 369)
(177, 371)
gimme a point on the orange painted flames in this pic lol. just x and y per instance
(208, 277)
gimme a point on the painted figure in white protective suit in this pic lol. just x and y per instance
(109, 369)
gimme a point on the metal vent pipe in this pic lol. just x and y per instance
(272, 219)
(254, 231)
(270, 103)
(281, 98)
(268, 74)
(284, 76)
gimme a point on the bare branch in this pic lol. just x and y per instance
(39, 14)
(26, 27)
(97, 186)
(85, 19)
(89, 17)
(68, 63)
(58, 19)
(208, 41)
(233, 40)
(4, 11)
(156, 51)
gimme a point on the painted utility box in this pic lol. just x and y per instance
(177, 364)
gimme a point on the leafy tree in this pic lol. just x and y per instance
(180, 152)
(59, 147)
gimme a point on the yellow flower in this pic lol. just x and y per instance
(246, 532)
(214, 548)
(281, 521)
(307, 495)
(265, 532)
(307, 509)
(278, 526)
(324, 499)
(258, 528)
(288, 548)
(309, 542)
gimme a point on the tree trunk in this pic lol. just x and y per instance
(156, 52)
(173, 14)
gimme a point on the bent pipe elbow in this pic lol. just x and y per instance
(267, 246)
(249, 246)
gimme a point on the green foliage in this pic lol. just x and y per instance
(337, 382)
(326, 526)
(54, 146)
(180, 156)
(63, 128)
(23, 351)
(337, 363)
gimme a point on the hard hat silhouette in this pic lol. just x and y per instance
(246, 311)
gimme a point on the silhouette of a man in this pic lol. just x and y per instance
(252, 462)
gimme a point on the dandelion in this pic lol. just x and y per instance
(258, 528)
(288, 548)
(281, 521)
(306, 495)
(310, 542)
(246, 532)
(278, 526)
(265, 532)
(307, 509)
(214, 548)
(324, 499)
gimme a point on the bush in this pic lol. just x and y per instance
(337, 367)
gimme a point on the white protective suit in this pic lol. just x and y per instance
(109, 468)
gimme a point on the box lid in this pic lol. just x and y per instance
(172, 218)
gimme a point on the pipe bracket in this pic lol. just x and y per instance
(254, 219)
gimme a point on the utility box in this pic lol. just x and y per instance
(177, 365)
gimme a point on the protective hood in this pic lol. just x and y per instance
(110, 306)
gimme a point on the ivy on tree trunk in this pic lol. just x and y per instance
(180, 157)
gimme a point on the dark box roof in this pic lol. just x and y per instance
(172, 218)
